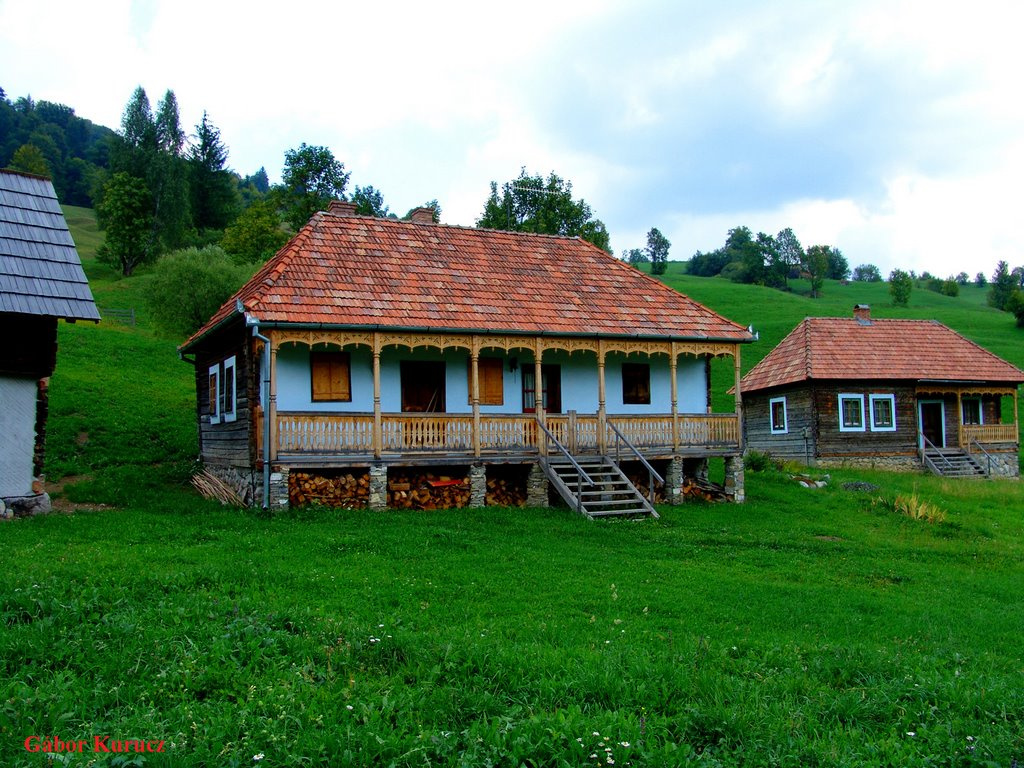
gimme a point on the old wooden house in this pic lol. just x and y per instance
(41, 281)
(905, 394)
(398, 358)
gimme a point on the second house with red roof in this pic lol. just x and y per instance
(898, 394)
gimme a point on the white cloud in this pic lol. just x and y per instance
(888, 129)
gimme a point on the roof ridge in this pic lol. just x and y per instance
(464, 227)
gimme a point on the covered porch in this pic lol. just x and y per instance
(962, 416)
(299, 435)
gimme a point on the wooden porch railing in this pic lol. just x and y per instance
(332, 433)
(987, 433)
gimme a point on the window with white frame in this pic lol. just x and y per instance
(851, 413)
(777, 414)
(971, 413)
(228, 412)
(213, 394)
(221, 391)
(883, 413)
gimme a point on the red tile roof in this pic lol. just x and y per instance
(908, 350)
(359, 271)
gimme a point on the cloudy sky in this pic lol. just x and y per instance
(891, 130)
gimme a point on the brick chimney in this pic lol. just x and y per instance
(422, 216)
(862, 314)
(342, 208)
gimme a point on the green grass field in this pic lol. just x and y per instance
(804, 628)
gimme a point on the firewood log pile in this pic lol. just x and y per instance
(641, 481)
(696, 488)
(505, 492)
(347, 490)
(414, 489)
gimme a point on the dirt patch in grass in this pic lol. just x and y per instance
(62, 504)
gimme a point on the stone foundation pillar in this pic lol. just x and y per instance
(537, 487)
(378, 487)
(478, 485)
(279, 488)
(734, 478)
(674, 481)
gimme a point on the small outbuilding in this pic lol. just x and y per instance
(901, 394)
(41, 281)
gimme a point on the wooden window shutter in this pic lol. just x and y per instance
(490, 371)
(331, 376)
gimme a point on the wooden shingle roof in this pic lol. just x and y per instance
(40, 272)
(355, 271)
(837, 348)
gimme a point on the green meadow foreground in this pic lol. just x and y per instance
(808, 627)
(805, 628)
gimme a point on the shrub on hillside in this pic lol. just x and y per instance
(190, 285)
(1015, 304)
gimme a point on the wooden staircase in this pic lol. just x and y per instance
(596, 487)
(952, 462)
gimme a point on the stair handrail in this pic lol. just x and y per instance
(988, 456)
(652, 473)
(925, 444)
(581, 474)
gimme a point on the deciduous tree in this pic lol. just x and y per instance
(28, 159)
(1002, 287)
(255, 235)
(657, 251)
(370, 202)
(126, 215)
(312, 177)
(190, 285)
(867, 273)
(900, 286)
(534, 204)
(816, 263)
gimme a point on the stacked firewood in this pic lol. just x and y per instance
(341, 490)
(505, 492)
(642, 482)
(696, 488)
(413, 489)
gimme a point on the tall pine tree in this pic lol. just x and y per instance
(215, 196)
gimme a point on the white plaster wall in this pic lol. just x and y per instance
(18, 428)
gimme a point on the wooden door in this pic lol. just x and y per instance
(933, 421)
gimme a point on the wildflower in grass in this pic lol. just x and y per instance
(258, 756)
(349, 707)
(911, 734)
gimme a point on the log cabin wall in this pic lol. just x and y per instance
(228, 442)
(833, 444)
(798, 441)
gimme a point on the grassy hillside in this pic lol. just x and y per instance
(775, 313)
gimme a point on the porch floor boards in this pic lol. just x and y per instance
(339, 460)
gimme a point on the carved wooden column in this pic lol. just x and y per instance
(538, 396)
(673, 365)
(378, 426)
(739, 394)
(474, 363)
(602, 413)
(272, 405)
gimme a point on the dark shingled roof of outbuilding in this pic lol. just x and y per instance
(40, 272)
